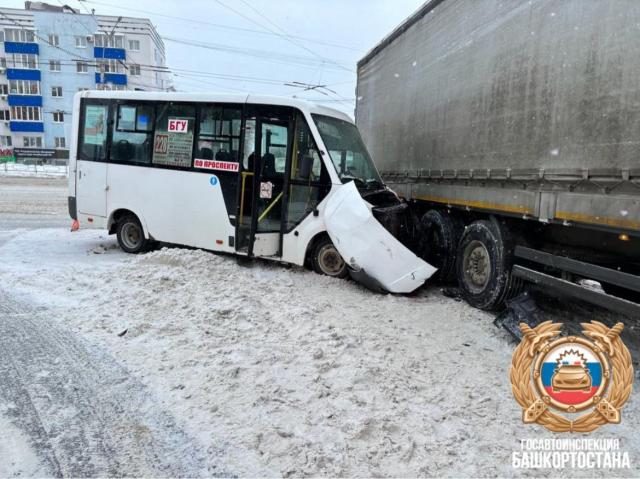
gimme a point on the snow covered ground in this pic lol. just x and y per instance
(18, 456)
(271, 370)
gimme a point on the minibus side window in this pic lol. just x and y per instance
(219, 135)
(218, 149)
(309, 180)
(173, 140)
(274, 143)
(132, 133)
(93, 136)
(249, 144)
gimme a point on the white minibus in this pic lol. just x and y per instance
(274, 178)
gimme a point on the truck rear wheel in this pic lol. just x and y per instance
(326, 259)
(441, 235)
(131, 235)
(484, 265)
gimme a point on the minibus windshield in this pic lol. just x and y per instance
(347, 152)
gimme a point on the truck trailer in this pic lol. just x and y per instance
(512, 129)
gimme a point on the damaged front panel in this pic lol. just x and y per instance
(377, 258)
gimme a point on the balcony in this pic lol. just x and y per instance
(15, 47)
(26, 126)
(109, 53)
(115, 78)
(25, 100)
(23, 74)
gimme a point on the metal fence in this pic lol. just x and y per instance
(34, 169)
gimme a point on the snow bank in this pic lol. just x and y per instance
(20, 169)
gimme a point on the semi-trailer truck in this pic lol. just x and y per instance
(512, 129)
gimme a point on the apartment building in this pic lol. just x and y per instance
(48, 53)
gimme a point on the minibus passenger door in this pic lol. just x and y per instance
(91, 166)
(91, 188)
(270, 182)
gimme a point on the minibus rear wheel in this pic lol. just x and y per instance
(131, 235)
(327, 261)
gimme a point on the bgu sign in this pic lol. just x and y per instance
(178, 126)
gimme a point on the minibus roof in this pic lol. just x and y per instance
(217, 98)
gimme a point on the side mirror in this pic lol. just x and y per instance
(306, 165)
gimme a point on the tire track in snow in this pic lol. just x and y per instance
(83, 413)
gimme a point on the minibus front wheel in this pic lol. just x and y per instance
(327, 261)
(131, 235)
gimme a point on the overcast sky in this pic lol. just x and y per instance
(269, 42)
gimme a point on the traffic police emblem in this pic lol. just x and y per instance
(556, 378)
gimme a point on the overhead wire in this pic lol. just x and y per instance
(278, 58)
(81, 23)
(286, 34)
(93, 62)
(282, 35)
(76, 58)
(192, 80)
(255, 53)
(38, 36)
(221, 26)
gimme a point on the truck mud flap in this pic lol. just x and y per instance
(376, 258)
